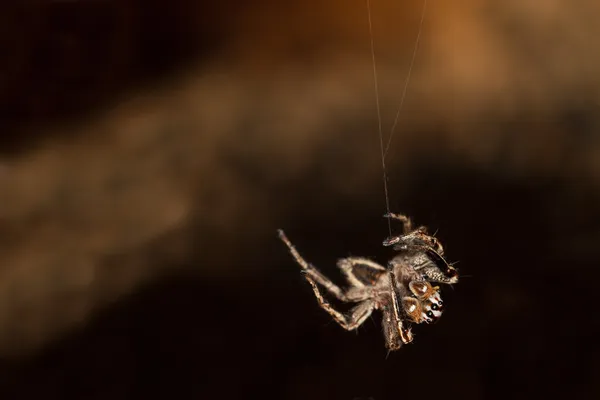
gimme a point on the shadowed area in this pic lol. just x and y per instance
(151, 151)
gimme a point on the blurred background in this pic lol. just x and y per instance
(150, 150)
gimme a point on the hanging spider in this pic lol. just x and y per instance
(402, 291)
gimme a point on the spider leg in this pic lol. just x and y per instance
(390, 330)
(369, 275)
(406, 222)
(357, 316)
(403, 331)
(409, 234)
(313, 275)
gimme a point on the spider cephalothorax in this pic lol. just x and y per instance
(402, 290)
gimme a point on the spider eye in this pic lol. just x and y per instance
(434, 307)
(412, 307)
(421, 289)
(430, 314)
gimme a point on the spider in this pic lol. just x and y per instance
(402, 291)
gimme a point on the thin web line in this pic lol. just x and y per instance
(410, 68)
(385, 188)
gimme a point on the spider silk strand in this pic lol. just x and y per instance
(410, 68)
(384, 150)
(376, 82)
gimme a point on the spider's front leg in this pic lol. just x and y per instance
(406, 222)
(390, 330)
(413, 239)
(407, 228)
(397, 313)
(313, 275)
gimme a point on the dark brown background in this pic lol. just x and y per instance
(150, 150)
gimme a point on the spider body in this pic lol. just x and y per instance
(402, 291)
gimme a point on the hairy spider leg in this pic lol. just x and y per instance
(390, 330)
(357, 315)
(406, 222)
(407, 228)
(311, 272)
(405, 333)
(347, 265)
